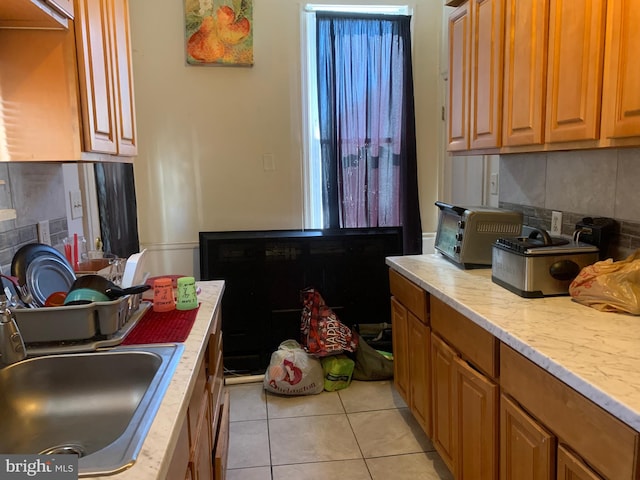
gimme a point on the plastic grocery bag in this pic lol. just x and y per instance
(321, 330)
(610, 286)
(292, 371)
(337, 372)
(370, 364)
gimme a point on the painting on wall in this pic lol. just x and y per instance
(219, 32)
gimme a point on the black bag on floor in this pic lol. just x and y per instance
(369, 363)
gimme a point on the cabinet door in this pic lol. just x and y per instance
(621, 95)
(525, 60)
(574, 80)
(571, 467)
(122, 67)
(419, 343)
(443, 401)
(221, 445)
(399, 322)
(476, 421)
(459, 36)
(94, 64)
(202, 459)
(527, 450)
(485, 100)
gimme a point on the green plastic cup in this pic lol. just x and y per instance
(187, 296)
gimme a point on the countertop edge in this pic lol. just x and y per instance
(606, 400)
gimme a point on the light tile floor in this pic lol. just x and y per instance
(364, 432)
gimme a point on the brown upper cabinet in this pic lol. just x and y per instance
(475, 75)
(621, 96)
(106, 77)
(525, 70)
(566, 77)
(459, 34)
(67, 95)
(39, 117)
(574, 79)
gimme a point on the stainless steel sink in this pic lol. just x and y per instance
(98, 405)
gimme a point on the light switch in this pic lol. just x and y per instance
(268, 162)
(76, 204)
(494, 184)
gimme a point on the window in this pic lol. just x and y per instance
(361, 168)
(312, 169)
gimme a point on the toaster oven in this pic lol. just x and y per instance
(466, 234)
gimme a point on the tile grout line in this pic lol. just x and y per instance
(366, 465)
(266, 413)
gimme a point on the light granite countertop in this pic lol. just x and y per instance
(596, 353)
(154, 457)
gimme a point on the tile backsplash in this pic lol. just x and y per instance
(36, 192)
(579, 183)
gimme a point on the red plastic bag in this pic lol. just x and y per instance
(322, 332)
(610, 286)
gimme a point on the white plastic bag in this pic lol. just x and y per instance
(292, 371)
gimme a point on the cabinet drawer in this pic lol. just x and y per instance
(607, 444)
(221, 449)
(473, 342)
(410, 295)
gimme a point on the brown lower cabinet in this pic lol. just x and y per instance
(201, 451)
(527, 449)
(412, 347)
(465, 406)
(413, 377)
(494, 414)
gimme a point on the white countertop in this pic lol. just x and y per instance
(596, 353)
(154, 457)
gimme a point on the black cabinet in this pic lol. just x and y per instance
(264, 272)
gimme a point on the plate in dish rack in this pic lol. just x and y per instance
(46, 275)
(30, 252)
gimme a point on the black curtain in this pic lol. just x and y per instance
(117, 207)
(367, 123)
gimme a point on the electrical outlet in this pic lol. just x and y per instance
(556, 223)
(43, 232)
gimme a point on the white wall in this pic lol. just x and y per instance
(468, 180)
(203, 130)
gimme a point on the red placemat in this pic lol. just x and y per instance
(162, 327)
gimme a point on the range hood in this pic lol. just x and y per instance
(41, 14)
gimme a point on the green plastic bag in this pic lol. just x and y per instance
(337, 372)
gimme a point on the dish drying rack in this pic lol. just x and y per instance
(79, 328)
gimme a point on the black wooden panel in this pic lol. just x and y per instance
(265, 271)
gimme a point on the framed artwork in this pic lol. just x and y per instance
(219, 32)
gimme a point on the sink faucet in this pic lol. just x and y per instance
(12, 348)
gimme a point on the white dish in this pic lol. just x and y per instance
(134, 270)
